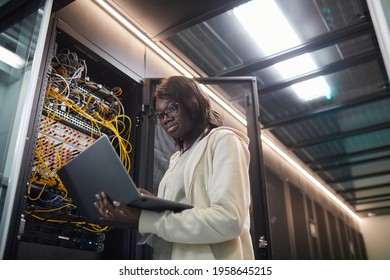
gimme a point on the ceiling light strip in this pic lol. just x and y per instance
(142, 37)
(10, 58)
(217, 99)
(224, 105)
(299, 168)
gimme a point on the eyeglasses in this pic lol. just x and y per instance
(169, 112)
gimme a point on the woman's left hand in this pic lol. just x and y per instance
(115, 210)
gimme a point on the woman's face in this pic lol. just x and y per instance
(178, 126)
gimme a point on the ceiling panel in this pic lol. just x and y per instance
(161, 18)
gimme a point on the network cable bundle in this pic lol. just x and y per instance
(76, 111)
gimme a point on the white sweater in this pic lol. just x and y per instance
(216, 183)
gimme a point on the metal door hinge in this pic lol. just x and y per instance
(21, 227)
(262, 242)
(146, 110)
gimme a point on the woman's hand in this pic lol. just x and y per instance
(116, 211)
(145, 192)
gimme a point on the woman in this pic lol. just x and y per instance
(209, 171)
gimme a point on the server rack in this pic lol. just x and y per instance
(83, 98)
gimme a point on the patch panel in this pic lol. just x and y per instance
(72, 120)
(58, 143)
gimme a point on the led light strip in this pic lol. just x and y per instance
(235, 114)
(143, 38)
(224, 105)
(299, 168)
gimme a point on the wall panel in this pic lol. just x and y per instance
(281, 248)
(299, 224)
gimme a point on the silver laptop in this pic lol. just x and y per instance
(98, 168)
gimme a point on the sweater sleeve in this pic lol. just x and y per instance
(228, 194)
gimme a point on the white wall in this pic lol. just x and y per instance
(376, 234)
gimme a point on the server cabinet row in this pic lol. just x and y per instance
(301, 228)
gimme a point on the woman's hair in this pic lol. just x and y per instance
(191, 98)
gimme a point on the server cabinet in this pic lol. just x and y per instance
(82, 97)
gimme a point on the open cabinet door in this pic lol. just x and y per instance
(23, 32)
(240, 94)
